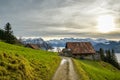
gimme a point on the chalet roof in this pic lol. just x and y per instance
(33, 46)
(80, 47)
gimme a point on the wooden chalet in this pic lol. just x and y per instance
(80, 49)
(33, 46)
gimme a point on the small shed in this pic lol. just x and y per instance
(33, 46)
(80, 49)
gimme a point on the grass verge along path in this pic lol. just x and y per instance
(96, 70)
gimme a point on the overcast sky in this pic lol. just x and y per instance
(59, 18)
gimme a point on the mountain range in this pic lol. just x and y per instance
(97, 43)
(38, 41)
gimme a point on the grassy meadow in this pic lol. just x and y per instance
(96, 70)
(20, 63)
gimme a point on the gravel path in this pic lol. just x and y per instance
(66, 70)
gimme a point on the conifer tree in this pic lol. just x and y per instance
(114, 60)
(113, 55)
(2, 34)
(101, 51)
(108, 56)
(8, 28)
(9, 37)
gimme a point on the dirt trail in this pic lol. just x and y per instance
(66, 70)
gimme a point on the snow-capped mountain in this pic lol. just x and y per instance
(62, 42)
(97, 43)
(39, 41)
(111, 45)
(33, 41)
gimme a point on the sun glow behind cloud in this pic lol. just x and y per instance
(106, 23)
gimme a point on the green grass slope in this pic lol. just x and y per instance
(19, 63)
(96, 70)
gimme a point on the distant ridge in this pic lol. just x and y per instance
(97, 43)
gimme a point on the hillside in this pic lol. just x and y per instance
(96, 70)
(19, 63)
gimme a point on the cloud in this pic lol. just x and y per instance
(73, 18)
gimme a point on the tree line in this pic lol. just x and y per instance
(6, 34)
(109, 57)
